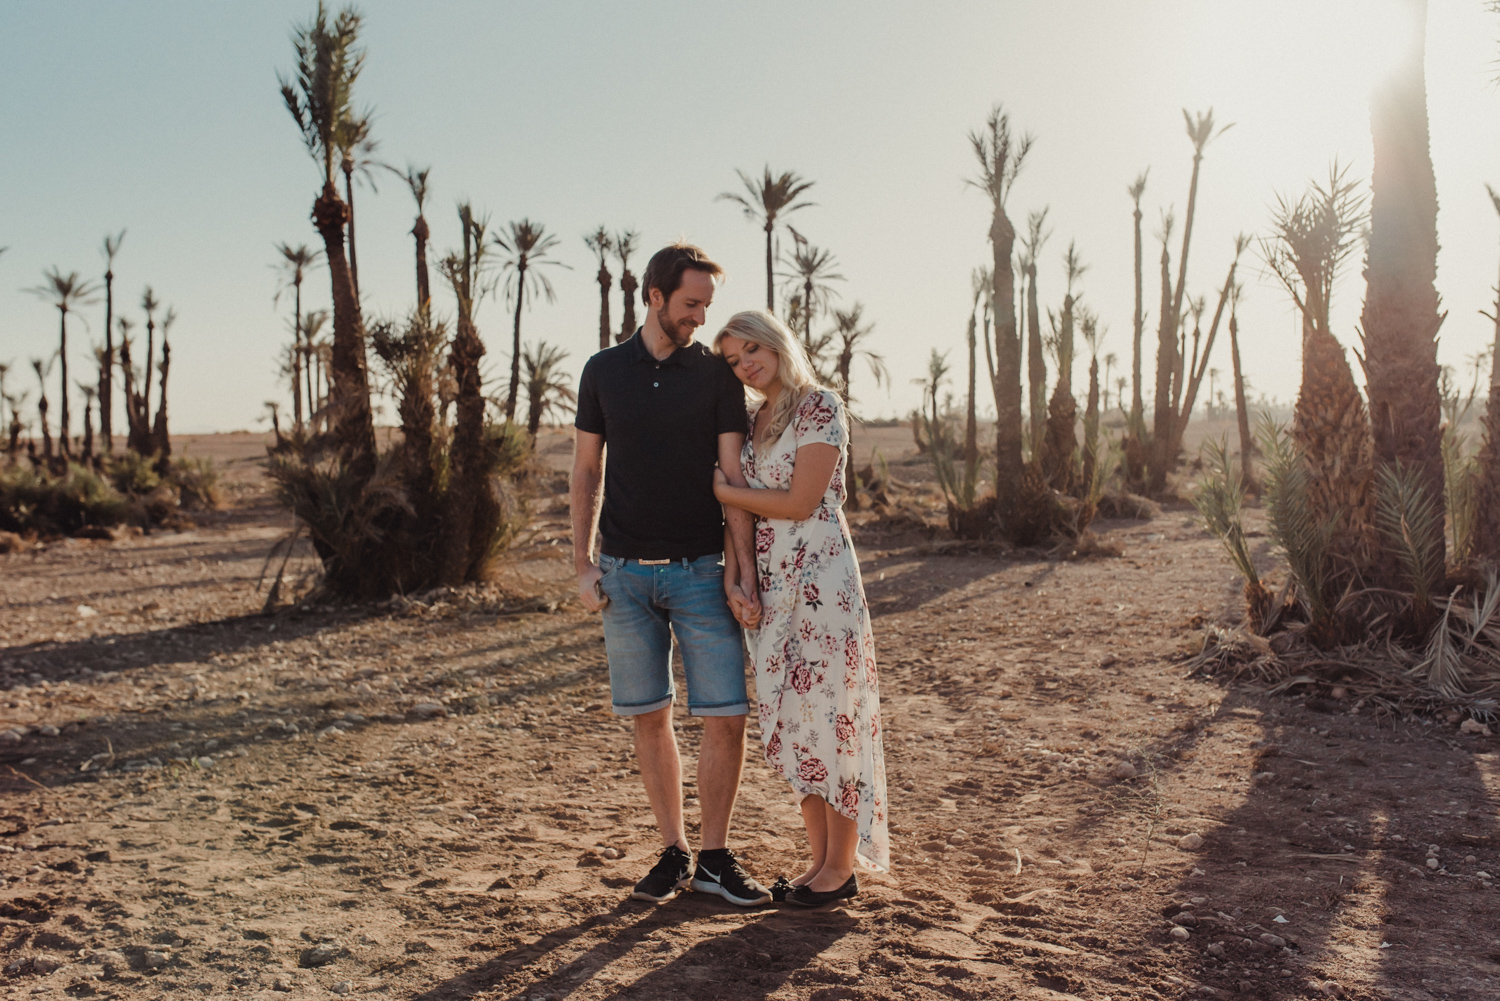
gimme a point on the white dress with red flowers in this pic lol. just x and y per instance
(814, 653)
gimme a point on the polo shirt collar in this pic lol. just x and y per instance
(684, 357)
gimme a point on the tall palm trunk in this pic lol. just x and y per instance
(420, 234)
(1036, 364)
(1241, 407)
(146, 366)
(106, 370)
(353, 423)
(1008, 421)
(65, 425)
(348, 168)
(515, 344)
(605, 281)
(1060, 444)
(971, 422)
(770, 268)
(1090, 434)
(42, 406)
(628, 288)
(1400, 318)
(1166, 366)
(1333, 434)
(88, 430)
(1200, 366)
(161, 441)
(297, 354)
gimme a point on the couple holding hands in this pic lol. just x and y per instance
(721, 525)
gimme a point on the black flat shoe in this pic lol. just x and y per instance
(781, 888)
(806, 896)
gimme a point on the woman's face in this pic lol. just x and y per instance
(756, 365)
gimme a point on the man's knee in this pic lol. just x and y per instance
(723, 727)
(654, 723)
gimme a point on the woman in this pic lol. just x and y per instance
(813, 652)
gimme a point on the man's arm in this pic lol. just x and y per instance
(585, 494)
(740, 527)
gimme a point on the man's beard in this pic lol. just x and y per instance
(676, 332)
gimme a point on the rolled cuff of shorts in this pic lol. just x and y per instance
(642, 708)
(722, 709)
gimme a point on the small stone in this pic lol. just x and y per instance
(155, 959)
(1216, 950)
(1124, 771)
(204, 762)
(48, 731)
(1339, 693)
(1274, 941)
(1190, 842)
(343, 987)
(1199, 872)
(112, 961)
(1180, 933)
(1331, 989)
(1474, 728)
(1433, 863)
(319, 955)
(10, 737)
(471, 818)
(1186, 918)
(1470, 860)
(284, 984)
(1482, 874)
(427, 710)
(1263, 778)
(611, 853)
(958, 837)
(44, 965)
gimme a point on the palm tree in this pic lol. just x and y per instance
(765, 201)
(315, 357)
(1000, 160)
(625, 245)
(1198, 364)
(135, 420)
(1400, 318)
(528, 244)
(322, 104)
(1201, 130)
(4, 396)
(106, 368)
(293, 267)
(1313, 237)
(416, 182)
(1036, 372)
(358, 158)
(89, 393)
(1092, 334)
(161, 440)
(43, 369)
(1137, 403)
(851, 331)
(547, 387)
(1110, 361)
(600, 243)
(66, 292)
(813, 266)
(150, 304)
(1241, 407)
(1059, 453)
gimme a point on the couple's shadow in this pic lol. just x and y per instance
(757, 954)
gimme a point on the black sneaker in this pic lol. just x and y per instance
(667, 876)
(720, 872)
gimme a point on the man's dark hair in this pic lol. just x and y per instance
(664, 270)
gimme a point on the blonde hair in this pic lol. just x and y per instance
(796, 372)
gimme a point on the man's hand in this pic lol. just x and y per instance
(746, 610)
(589, 591)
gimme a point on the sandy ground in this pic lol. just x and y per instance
(430, 799)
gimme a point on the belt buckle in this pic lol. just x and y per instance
(654, 563)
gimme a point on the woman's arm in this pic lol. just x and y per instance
(812, 471)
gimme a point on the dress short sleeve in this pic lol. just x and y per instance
(820, 420)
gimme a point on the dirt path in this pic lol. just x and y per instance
(431, 800)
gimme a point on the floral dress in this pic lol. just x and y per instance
(814, 653)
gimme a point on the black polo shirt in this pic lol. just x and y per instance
(661, 421)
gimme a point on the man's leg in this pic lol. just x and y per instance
(661, 773)
(720, 762)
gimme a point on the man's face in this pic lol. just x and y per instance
(687, 310)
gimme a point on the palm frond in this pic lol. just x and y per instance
(1412, 525)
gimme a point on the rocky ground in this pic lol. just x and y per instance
(429, 798)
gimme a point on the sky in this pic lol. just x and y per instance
(163, 119)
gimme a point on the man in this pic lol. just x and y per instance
(668, 410)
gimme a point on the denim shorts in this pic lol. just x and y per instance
(648, 606)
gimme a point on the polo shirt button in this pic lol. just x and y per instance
(656, 384)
